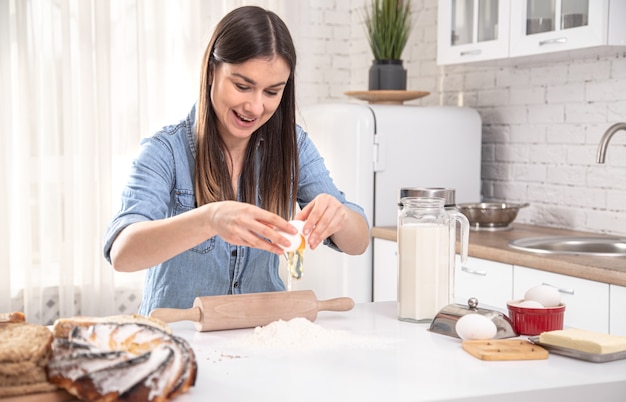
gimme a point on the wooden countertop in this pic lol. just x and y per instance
(494, 245)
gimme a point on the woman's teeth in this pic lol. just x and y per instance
(242, 118)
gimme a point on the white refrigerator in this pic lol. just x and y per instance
(372, 151)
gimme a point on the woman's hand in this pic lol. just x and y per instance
(326, 217)
(248, 225)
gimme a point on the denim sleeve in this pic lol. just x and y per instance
(315, 179)
(148, 192)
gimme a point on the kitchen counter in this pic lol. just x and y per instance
(386, 360)
(494, 245)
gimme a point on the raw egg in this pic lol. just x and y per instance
(475, 327)
(295, 239)
(548, 296)
(295, 252)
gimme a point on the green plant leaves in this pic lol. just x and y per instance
(388, 26)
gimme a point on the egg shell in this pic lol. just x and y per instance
(475, 327)
(548, 296)
(294, 239)
(529, 304)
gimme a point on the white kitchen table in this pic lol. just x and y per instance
(389, 360)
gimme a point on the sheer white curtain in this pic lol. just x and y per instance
(81, 81)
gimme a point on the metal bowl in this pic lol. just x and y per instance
(490, 215)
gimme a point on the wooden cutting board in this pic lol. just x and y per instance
(505, 349)
(52, 396)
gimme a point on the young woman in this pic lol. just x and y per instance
(206, 197)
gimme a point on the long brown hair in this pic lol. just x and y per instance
(247, 33)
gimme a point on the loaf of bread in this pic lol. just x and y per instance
(24, 352)
(584, 341)
(130, 361)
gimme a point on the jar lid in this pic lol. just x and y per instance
(432, 192)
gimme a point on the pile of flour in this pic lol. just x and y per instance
(303, 335)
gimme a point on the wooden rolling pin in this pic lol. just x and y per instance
(214, 313)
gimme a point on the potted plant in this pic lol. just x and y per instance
(388, 25)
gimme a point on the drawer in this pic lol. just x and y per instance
(489, 281)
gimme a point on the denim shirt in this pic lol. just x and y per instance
(161, 185)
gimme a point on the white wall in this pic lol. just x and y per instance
(541, 126)
(542, 119)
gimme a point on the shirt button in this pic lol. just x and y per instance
(236, 284)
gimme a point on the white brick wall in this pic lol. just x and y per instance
(542, 119)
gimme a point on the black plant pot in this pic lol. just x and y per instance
(387, 75)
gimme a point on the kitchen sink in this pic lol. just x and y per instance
(595, 246)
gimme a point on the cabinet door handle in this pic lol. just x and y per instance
(471, 52)
(552, 41)
(561, 290)
(473, 271)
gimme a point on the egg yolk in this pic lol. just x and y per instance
(295, 260)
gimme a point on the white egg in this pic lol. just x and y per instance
(529, 304)
(475, 327)
(294, 239)
(548, 296)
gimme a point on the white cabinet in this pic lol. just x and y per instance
(617, 317)
(477, 30)
(543, 26)
(586, 302)
(489, 281)
(472, 30)
(385, 270)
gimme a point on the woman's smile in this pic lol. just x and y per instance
(245, 119)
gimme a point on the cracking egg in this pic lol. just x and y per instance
(295, 240)
(295, 251)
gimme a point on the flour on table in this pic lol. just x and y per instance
(303, 335)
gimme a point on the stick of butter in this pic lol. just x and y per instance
(584, 340)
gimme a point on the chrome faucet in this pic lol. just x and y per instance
(604, 141)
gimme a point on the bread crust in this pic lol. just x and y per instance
(16, 317)
(63, 326)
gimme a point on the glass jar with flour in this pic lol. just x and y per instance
(426, 256)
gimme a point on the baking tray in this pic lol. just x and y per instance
(577, 354)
